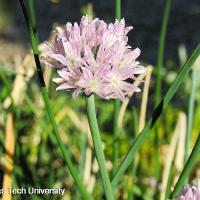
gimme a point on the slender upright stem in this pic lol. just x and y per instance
(116, 129)
(9, 153)
(192, 160)
(116, 134)
(161, 50)
(190, 114)
(65, 153)
(118, 9)
(32, 16)
(169, 180)
(160, 61)
(91, 113)
(143, 106)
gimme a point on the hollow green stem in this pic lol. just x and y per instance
(32, 16)
(116, 134)
(169, 181)
(192, 160)
(160, 61)
(91, 114)
(118, 9)
(190, 114)
(116, 130)
(161, 51)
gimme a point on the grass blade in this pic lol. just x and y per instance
(194, 157)
(157, 112)
(161, 51)
(190, 114)
(32, 18)
(169, 180)
(65, 153)
(158, 84)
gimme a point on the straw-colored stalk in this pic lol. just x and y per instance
(88, 166)
(24, 73)
(179, 161)
(143, 107)
(9, 152)
(91, 183)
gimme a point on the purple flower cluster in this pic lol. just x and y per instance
(189, 193)
(94, 57)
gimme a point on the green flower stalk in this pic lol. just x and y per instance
(91, 113)
(117, 104)
(161, 48)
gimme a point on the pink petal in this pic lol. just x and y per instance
(60, 58)
(139, 69)
(58, 80)
(65, 86)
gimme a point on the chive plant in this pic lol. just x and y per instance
(48, 107)
(77, 56)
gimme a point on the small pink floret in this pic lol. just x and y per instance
(190, 193)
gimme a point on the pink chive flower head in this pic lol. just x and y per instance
(190, 193)
(94, 57)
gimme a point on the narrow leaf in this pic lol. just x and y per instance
(156, 114)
